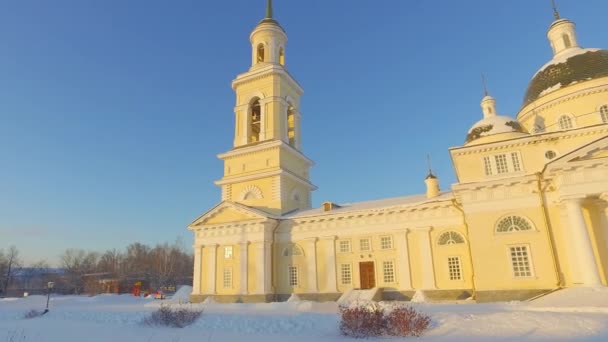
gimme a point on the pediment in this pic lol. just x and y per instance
(229, 212)
(597, 149)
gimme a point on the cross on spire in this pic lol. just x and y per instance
(485, 86)
(555, 12)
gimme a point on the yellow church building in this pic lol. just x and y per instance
(527, 215)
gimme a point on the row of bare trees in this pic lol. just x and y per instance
(163, 265)
(159, 266)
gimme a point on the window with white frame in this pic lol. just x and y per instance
(565, 122)
(344, 246)
(365, 245)
(293, 276)
(227, 280)
(386, 242)
(450, 238)
(346, 277)
(388, 271)
(228, 252)
(515, 160)
(454, 268)
(520, 261)
(487, 166)
(501, 163)
(513, 223)
(604, 113)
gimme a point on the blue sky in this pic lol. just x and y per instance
(112, 112)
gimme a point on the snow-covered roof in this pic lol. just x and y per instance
(494, 125)
(564, 56)
(381, 204)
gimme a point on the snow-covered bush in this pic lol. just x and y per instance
(178, 317)
(406, 321)
(33, 314)
(362, 320)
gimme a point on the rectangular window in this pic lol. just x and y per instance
(501, 163)
(345, 274)
(454, 268)
(227, 278)
(520, 261)
(227, 252)
(516, 163)
(345, 246)
(364, 245)
(386, 242)
(388, 270)
(293, 276)
(487, 166)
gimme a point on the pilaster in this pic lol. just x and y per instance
(426, 251)
(311, 261)
(263, 267)
(403, 260)
(210, 270)
(243, 264)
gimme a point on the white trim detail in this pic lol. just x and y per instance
(251, 192)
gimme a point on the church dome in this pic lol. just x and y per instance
(494, 125)
(571, 67)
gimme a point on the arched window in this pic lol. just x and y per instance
(450, 238)
(260, 53)
(256, 121)
(291, 125)
(293, 250)
(565, 122)
(604, 113)
(282, 56)
(513, 224)
(567, 43)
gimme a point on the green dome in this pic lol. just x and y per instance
(577, 66)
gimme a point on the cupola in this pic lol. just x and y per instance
(268, 41)
(432, 185)
(498, 127)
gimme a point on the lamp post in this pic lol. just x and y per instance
(49, 287)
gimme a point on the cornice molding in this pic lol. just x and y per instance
(535, 108)
(262, 147)
(531, 140)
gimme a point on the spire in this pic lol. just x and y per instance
(485, 86)
(555, 12)
(268, 9)
(428, 162)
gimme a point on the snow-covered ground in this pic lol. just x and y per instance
(570, 315)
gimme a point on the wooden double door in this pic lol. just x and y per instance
(367, 274)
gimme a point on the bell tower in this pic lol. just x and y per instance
(266, 168)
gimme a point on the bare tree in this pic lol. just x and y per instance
(77, 263)
(11, 261)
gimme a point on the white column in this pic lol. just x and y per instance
(196, 276)
(263, 267)
(311, 264)
(211, 269)
(243, 251)
(298, 132)
(332, 280)
(264, 118)
(582, 250)
(603, 209)
(403, 260)
(426, 251)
